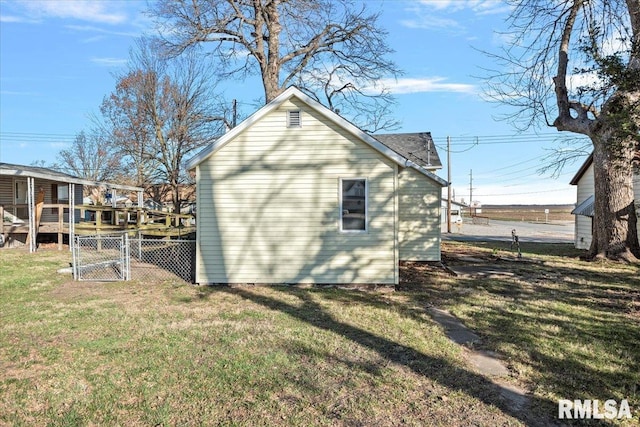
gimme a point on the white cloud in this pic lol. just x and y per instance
(480, 7)
(429, 84)
(84, 10)
(590, 79)
(16, 19)
(109, 62)
(431, 23)
(94, 29)
(94, 39)
(450, 15)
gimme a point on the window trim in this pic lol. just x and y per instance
(366, 204)
(16, 200)
(299, 124)
(55, 193)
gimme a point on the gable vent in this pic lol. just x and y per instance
(294, 119)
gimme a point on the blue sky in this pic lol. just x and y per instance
(57, 58)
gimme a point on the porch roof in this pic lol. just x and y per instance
(586, 207)
(53, 175)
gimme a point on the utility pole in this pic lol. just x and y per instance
(235, 113)
(449, 186)
(470, 191)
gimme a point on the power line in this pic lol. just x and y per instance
(454, 152)
(36, 138)
(519, 163)
(528, 175)
(519, 194)
(504, 139)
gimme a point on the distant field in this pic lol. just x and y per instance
(531, 213)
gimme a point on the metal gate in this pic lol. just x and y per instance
(101, 258)
(122, 257)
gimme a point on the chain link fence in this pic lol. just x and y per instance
(101, 258)
(158, 260)
(122, 257)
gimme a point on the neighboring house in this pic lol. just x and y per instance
(584, 210)
(36, 200)
(457, 209)
(297, 194)
(162, 195)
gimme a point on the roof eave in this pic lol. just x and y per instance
(441, 182)
(70, 179)
(324, 111)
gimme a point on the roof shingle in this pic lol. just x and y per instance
(417, 147)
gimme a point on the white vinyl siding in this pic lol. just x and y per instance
(583, 224)
(269, 206)
(419, 215)
(583, 227)
(7, 196)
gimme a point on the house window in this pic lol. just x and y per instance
(353, 204)
(60, 193)
(294, 119)
(20, 192)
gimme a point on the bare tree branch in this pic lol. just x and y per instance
(161, 112)
(555, 44)
(285, 41)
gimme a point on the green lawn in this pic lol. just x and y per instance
(569, 329)
(129, 353)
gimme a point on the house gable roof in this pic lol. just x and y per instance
(585, 166)
(417, 147)
(328, 114)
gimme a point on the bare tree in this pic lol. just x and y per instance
(91, 157)
(331, 50)
(575, 65)
(161, 112)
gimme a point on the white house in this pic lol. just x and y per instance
(457, 210)
(584, 210)
(297, 194)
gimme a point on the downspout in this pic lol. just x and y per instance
(396, 226)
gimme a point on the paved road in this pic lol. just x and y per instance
(556, 232)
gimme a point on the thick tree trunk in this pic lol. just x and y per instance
(615, 234)
(271, 85)
(175, 189)
(267, 50)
